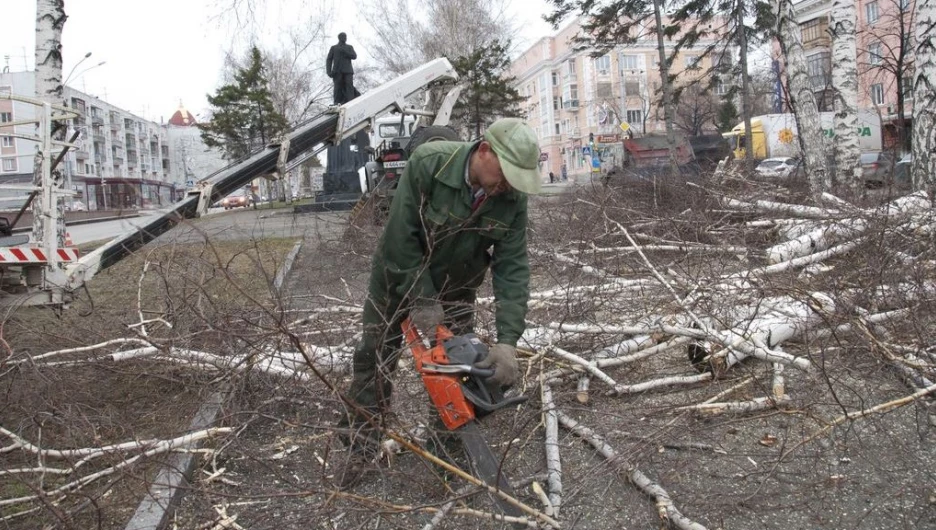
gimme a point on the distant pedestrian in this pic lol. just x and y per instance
(552, 177)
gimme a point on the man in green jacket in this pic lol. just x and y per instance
(459, 209)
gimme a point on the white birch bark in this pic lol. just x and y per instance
(802, 98)
(924, 99)
(50, 18)
(845, 86)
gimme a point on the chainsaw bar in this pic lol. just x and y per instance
(486, 466)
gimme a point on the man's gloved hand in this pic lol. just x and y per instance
(503, 358)
(426, 315)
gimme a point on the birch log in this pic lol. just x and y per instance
(845, 87)
(802, 98)
(553, 462)
(924, 99)
(822, 238)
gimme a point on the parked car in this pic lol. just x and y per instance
(777, 168)
(238, 199)
(877, 168)
(902, 177)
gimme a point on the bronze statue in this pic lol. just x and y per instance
(338, 67)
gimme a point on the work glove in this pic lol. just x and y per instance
(426, 315)
(503, 359)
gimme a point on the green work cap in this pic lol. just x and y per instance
(517, 149)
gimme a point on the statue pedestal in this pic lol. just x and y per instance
(341, 184)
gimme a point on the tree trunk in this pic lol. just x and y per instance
(802, 98)
(845, 86)
(668, 112)
(50, 18)
(924, 100)
(746, 103)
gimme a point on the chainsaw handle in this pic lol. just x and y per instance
(482, 372)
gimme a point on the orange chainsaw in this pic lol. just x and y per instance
(461, 394)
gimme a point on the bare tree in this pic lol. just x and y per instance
(924, 100)
(412, 33)
(50, 19)
(802, 98)
(845, 89)
(888, 51)
(695, 110)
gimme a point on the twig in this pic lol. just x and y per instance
(665, 507)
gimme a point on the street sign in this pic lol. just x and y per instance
(586, 150)
(596, 164)
(608, 138)
(625, 126)
(189, 183)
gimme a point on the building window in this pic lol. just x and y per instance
(555, 79)
(570, 68)
(556, 103)
(819, 68)
(6, 117)
(630, 62)
(871, 12)
(604, 90)
(692, 61)
(874, 53)
(877, 94)
(557, 128)
(907, 87)
(904, 5)
(6, 90)
(9, 164)
(603, 64)
(634, 118)
(721, 88)
(7, 141)
(811, 30)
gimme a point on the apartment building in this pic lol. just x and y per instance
(121, 160)
(577, 103)
(884, 33)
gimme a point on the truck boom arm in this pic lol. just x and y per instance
(313, 135)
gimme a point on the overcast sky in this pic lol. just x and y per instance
(159, 53)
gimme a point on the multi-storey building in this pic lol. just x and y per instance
(884, 34)
(121, 160)
(573, 98)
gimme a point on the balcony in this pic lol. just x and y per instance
(100, 158)
(98, 137)
(131, 146)
(570, 104)
(575, 132)
(81, 154)
(97, 119)
(132, 161)
(118, 160)
(117, 141)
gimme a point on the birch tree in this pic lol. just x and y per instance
(50, 19)
(924, 100)
(801, 97)
(845, 88)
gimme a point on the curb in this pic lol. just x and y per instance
(166, 491)
(173, 479)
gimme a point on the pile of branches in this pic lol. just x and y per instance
(703, 282)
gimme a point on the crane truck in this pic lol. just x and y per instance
(38, 271)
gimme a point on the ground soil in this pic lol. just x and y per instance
(766, 470)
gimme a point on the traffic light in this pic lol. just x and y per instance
(591, 138)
